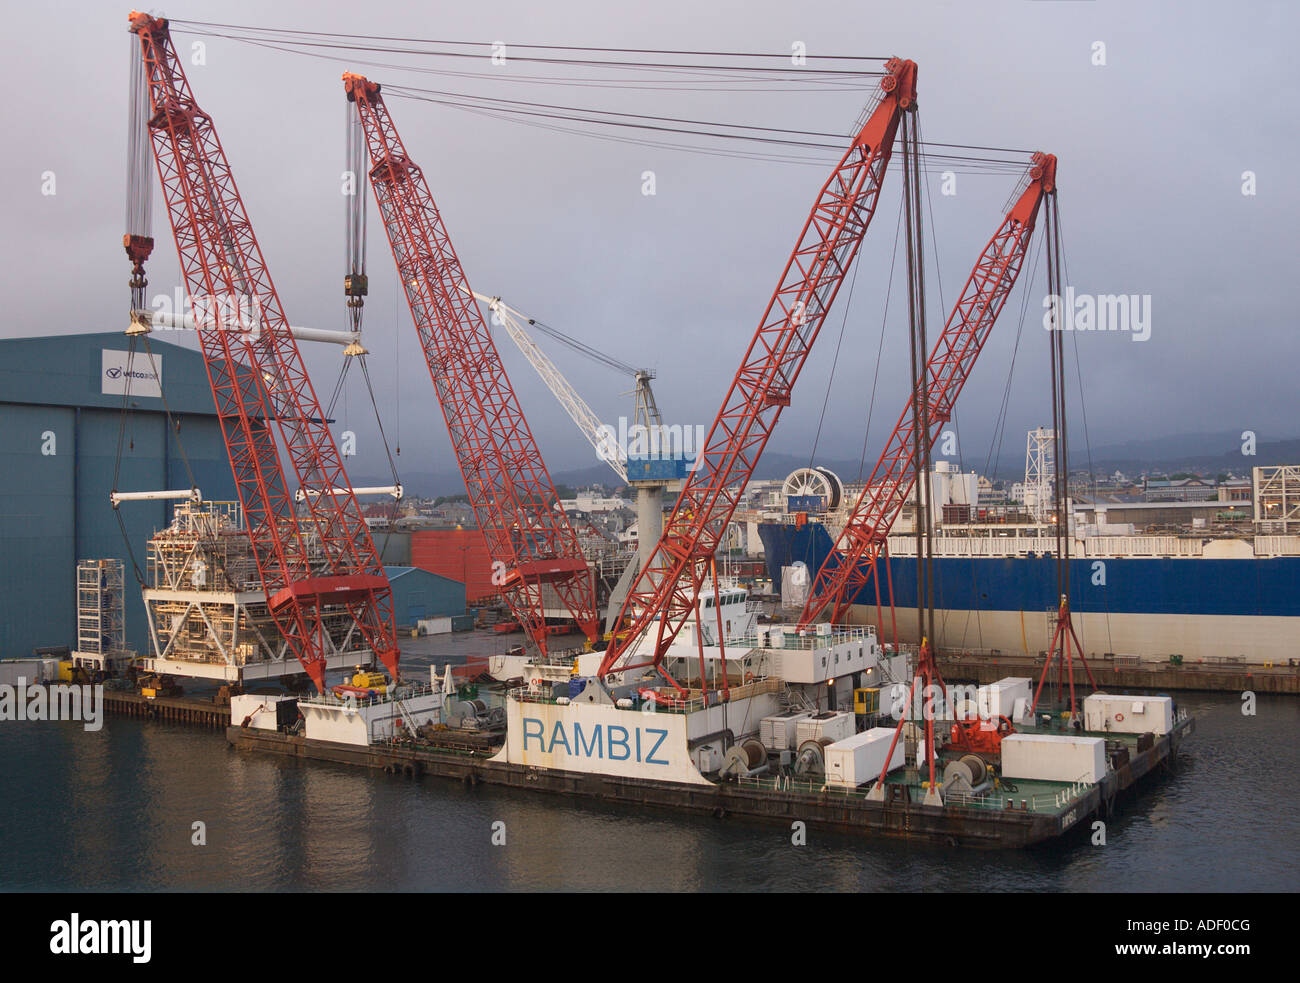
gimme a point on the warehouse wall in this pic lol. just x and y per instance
(36, 534)
(58, 443)
(54, 509)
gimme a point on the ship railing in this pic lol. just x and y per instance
(404, 742)
(839, 634)
(994, 544)
(665, 703)
(738, 691)
(523, 694)
(995, 800)
(788, 783)
(1001, 799)
(328, 698)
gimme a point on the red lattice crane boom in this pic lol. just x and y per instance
(324, 557)
(510, 490)
(665, 593)
(851, 564)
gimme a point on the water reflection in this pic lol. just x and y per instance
(114, 810)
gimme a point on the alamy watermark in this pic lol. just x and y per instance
(1098, 312)
(660, 441)
(56, 701)
(180, 311)
(77, 936)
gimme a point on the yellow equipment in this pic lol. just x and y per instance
(370, 680)
(866, 700)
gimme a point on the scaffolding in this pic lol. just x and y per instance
(1040, 473)
(101, 615)
(207, 609)
(1277, 499)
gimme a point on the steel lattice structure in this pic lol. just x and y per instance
(665, 593)
(851, 564)
(326, 556)
(510, 490)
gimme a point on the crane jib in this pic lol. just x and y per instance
(221, 260)
(667, 587)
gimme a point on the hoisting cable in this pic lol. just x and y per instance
(835, 361)
(356, 286)
(583, 348)
(923, 350)
(117, 462)
(880, 347)
(138, 242)
(866, 436)
(994, 456)
(1059, 462)
(1087, 439)
(516, 110)
(919, 373)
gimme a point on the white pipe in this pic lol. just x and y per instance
(394, 490)
(193, 494)
(329, 337)
(185, 322)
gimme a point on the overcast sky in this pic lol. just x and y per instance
(1152, 147)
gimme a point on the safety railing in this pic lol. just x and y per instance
(405, 741)
(792, 641)
(994, 800)
(352, 701)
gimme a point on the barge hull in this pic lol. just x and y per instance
(828, 810)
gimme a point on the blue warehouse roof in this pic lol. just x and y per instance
(420, 573)
(69, 370)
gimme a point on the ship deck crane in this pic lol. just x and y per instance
(510, 490)
(611, 452)
(851, 564)
(647, 476)
(321, 555)
(665, 593)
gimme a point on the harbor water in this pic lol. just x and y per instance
(116, 810)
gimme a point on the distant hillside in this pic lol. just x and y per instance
(1190, 452)
(1209, 452)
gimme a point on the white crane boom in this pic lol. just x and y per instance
(602, 439)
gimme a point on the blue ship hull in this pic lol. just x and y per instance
(1198, 607)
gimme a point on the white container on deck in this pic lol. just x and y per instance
(832, 725)
(780, 732)
(1121, 714)
(858, 759)
(1054, 758)
(1005, 697)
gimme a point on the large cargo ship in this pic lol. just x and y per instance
(1204, 599)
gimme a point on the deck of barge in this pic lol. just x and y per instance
(1037, 812)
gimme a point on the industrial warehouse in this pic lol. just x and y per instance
(62, 416)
